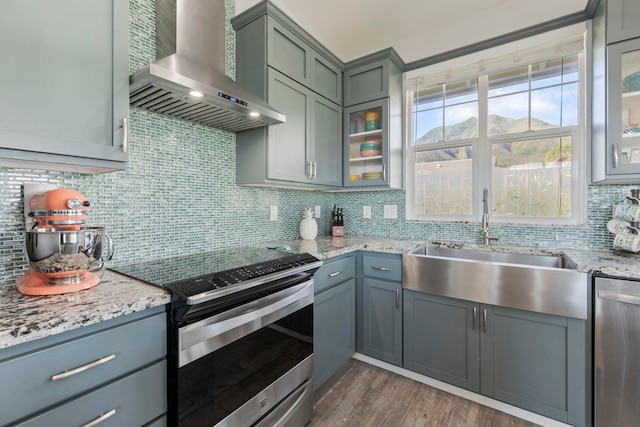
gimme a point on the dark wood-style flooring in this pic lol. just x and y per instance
(364, 395)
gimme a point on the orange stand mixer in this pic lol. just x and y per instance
(64, 255)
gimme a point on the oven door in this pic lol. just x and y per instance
(236, 367)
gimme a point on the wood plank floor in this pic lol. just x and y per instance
(364, 395)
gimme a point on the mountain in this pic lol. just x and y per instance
(505, 154)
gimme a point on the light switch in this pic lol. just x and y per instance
(391, 211)
(366, 212)
(317, 212)
(273, 213)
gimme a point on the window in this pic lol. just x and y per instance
(513, 128)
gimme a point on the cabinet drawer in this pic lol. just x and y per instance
(131, 401)
(382, 267)
(334, 272)
(46, 376)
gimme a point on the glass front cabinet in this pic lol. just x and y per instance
(371, 158)
(366, 144)
(623, 115)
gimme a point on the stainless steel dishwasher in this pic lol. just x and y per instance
(617, 352)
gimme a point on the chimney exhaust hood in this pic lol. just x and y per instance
(189, 81)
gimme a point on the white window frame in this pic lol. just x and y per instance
(482, 153)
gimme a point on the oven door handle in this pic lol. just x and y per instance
(208, 335)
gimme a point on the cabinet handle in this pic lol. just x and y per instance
(315, 169)
(612, 296)
(397, 298)
(335, 274)
(473, 319)
(384, 172)
(309, 169)
(101, 418)
(125, 135)
(484, 320)
(83, 368)
(381, 268)
(615, 155)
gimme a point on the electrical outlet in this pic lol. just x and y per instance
(391, 211)
(317, 212)
(273, 213)
(366, 212)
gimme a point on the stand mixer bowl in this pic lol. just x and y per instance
(65, 256)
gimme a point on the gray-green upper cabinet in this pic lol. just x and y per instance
(302, 151)
(291, 55)
(616, 106)
(65, 97)
(373, 122)
(623, 20)
(375, 76)
(281, 63)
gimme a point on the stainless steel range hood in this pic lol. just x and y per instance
(189, 81)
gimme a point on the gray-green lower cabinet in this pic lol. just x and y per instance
(334, 316)
(334, 335)
(382, 320)
(111, 373)
(530, 360)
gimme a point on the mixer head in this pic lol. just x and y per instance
(60, 209)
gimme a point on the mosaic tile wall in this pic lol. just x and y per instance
(178, 194)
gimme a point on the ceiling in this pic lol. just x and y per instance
(416, 29)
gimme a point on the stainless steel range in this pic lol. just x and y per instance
(240, 336)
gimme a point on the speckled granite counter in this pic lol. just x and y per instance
(25, 318)
(587, 261)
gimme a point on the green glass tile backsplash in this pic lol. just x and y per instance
(178, 194)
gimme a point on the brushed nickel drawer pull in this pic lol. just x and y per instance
(335, 274)
(83, 368)
(484, 320)
(473, 320)
(101, 418)
(615, 155)
(397, 298)
(612, 296)
(381, 268)
(125, 135)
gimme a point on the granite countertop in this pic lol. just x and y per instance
(25, 318)
(603, 262)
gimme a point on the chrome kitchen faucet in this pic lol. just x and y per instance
(486, 237)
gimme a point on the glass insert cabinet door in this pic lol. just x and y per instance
(366, 146)
(623, 124)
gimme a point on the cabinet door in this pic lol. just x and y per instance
(441, 339)
(382, 320)
(66, 80)
(367, 82)
(525, 360)
(366, 147)
(623, 20)
(623, 109)
(334, 330)
(326, 141)
(288, 53)
(326, 79)
(288, 142)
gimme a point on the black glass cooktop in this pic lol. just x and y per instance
(196, 273)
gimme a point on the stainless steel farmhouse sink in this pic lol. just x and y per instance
(540, 283)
